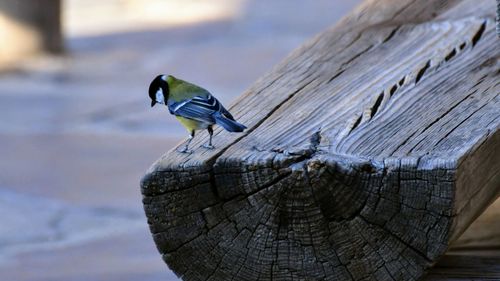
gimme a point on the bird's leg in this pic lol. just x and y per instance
(190, 138)
(210, 133)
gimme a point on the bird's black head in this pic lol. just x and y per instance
(158, 90)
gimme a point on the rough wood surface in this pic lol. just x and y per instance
(482, 237)
(476, 254)
(498, 18)
(369, 149)
(466, 268)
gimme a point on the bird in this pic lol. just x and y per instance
(193, 106)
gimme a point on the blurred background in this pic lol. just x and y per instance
(76, 128)
(77, 131)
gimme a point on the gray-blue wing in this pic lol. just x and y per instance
(197, 108)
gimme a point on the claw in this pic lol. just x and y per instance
(185, 150)
(208, 146)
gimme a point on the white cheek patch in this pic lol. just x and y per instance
(159, 96)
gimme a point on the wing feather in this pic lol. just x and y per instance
(197, 108)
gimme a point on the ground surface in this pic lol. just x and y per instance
(77, 132)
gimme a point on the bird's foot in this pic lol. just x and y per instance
(185, 150)
(208, 146)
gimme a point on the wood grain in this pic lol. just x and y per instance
(482, 237)
(465, 267)
(476, 254)
(369, 149)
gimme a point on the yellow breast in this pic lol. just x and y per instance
(191, 124)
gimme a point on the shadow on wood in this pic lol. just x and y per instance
(370, 149)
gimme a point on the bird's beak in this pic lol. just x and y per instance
(153, 102)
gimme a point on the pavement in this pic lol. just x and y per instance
(77, 132)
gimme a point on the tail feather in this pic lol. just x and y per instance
(228, 124)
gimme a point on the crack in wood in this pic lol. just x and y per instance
(335, 76)
(374, 108)
(355, 125)
(450, 55)
(460, 123)
(478, 34)
(472, 90)
(393, 32)
(420, 73)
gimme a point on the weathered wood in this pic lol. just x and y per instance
(369, 150)
(476, 254)
(482, 236)
(498, 18)
(461, 268)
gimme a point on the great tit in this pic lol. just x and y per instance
(193, 106)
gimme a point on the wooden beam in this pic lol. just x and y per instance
(466, 267)
(498, 18)
(476, 254)
(369, 150)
